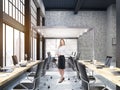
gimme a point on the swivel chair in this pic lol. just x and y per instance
(34, 85)
(86, 82)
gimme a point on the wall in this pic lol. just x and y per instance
(86, 44)
(84, 19)
(111, 31)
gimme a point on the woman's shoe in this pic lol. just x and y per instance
(61, 80)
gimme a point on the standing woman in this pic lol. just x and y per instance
(61, 59)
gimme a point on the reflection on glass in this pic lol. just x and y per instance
(19, 17)
(10, 9)
(34, 48)
(23, 20)
(31, 47)
(17, 14)
(13, 12)
(9, 45)
(22, 45)
(23, 10)
(17, 3)
(6, 6)
(3, 45)
(16, 43)
(40, 49)
(3, 5)
(14, 2)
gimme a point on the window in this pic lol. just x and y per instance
(15, 9)
(4, 44)
(13, 44)
(22, 36)
(34, 48)
(3, 5)
(17, 43)
(6, 6)
(9, 45)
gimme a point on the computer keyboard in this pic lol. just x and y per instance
(100, 66)
(8, 70)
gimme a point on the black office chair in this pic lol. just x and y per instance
(15, 60)
(77, 69)
(86, 82)
(108, 61)
(45, 66)
(35, 84)
(71, 63)
(91, 78)
(78, 56)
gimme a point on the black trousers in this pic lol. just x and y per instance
(61, 62)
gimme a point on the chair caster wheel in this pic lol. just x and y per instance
(51, 77)
(68, 78)
(75, 81)
(44, 84)
(48, 87)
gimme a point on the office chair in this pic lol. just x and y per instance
(91, 78)
(71, 63)
(45, 66)
(86, 82)
(108, 61)
(32, 85)
(15, 60)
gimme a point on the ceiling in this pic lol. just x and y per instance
(77, 5)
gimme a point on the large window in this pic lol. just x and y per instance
(33, 14)
(22, 47)
(15, 9)
(34, 48)
(17, 43)
(9, 45)
(33, 36)
(13, 44)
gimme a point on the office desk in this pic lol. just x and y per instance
(111, 74)
(8, 79)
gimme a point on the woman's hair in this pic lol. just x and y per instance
(61, 44)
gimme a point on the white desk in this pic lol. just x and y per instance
(104, 72)
(7, 77)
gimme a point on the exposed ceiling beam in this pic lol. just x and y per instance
(78, 6)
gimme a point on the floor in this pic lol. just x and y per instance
(50, 80)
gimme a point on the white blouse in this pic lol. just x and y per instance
(61, 50)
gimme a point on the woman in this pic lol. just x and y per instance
(61, 59)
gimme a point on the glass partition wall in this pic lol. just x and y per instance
(52, 46)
